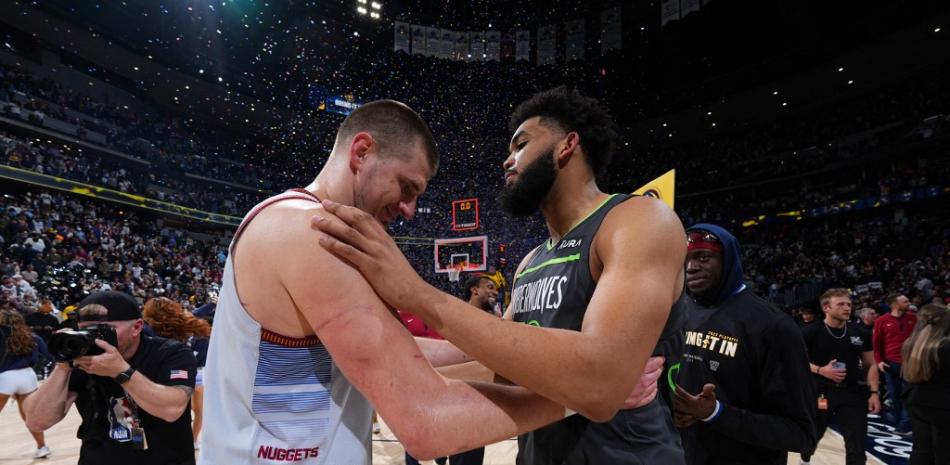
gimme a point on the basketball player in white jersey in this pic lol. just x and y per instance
(302, 344)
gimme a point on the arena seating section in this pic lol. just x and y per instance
(893, 141)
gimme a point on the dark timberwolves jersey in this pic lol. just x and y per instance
(553, 290)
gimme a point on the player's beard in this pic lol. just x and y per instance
(524, 196)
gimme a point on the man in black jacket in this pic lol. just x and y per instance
(744, 393)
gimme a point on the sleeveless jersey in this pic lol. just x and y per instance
(553, 291)
(273, 399)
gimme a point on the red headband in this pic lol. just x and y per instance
(702, 240)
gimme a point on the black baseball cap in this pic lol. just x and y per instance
(120, 307)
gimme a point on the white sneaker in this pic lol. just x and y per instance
(42, 453)
(376, 428)
(803, 462)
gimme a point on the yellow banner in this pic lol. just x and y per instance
(663, 188)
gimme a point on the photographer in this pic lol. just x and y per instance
(132, 396)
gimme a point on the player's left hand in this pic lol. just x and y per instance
(874, 403)
(689, 407)
(358, 238)
(109, 363)
(645, 390)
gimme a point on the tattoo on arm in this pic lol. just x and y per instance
(188, 390)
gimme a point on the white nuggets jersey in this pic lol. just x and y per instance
(272, 399)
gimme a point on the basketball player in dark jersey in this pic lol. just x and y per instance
(592, 301)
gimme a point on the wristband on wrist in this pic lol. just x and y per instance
(125, 376)
(716, 412)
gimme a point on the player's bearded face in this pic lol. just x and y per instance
(524, 196)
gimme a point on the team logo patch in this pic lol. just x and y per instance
(856, 340)
(178, 374)
(714, 365)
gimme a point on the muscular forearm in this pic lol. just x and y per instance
(48, 404)
(441, 353)
(165, 402)
(470, 371)
(598, 381)
(474, 414)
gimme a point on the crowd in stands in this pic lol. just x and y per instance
(472, 134)
(838, 133)
(287, 154)
(74, 164)
(56, 248)
(872, 252)
(64, 248)
(172, 144)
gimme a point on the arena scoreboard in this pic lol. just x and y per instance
(465, 215)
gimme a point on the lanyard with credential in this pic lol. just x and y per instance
(139, 442)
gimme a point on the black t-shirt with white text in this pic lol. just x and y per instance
(107, 411)
(844, 345)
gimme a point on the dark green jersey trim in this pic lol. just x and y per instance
(550, 242)
(553, 261)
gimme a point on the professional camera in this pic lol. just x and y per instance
(68, 344)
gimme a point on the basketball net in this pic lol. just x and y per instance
(455, 272)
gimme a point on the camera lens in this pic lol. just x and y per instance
(69, 345)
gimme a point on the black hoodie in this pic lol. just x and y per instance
(756, 357)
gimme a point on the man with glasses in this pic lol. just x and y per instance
(133, 397)
(744, 392)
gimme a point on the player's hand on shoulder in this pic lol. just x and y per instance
(360, 239)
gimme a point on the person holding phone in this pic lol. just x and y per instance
(838, 351)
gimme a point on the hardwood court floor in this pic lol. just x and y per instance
(16, 445)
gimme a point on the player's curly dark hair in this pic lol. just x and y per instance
(572, 112)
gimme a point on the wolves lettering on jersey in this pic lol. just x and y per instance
(543, 294)
(553, 289)
(555, 285)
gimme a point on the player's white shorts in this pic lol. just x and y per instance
(22, 381)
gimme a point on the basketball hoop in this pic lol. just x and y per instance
(454, 273)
